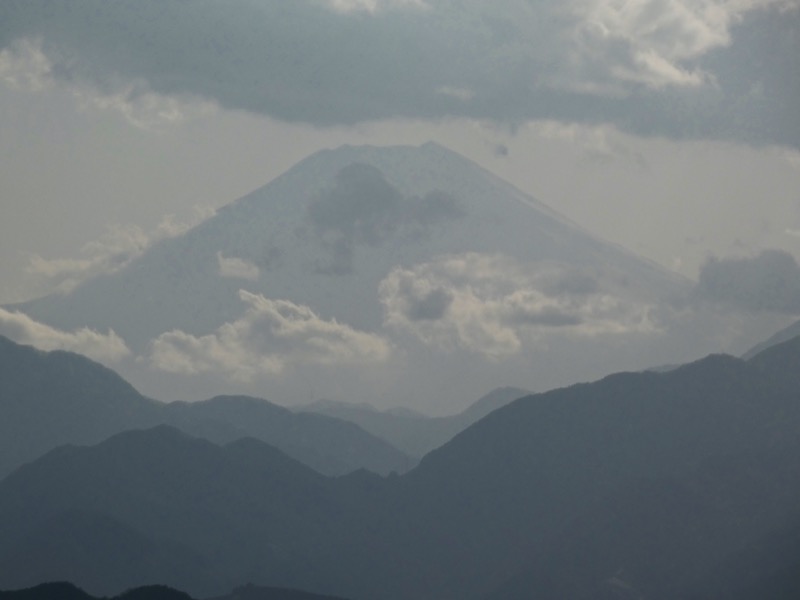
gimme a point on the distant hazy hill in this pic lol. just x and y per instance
(784, 335)
(52, 398)
(330, 445)
(637, 485)
(415, 433)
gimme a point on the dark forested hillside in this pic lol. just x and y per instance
(638, 485)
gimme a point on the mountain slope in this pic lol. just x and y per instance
(779, 337)
(640, 483)
(329, 445)
(413, 433)
(241, 509)
(177, 285)
(397, 266)
(52, 398)
(520, 476)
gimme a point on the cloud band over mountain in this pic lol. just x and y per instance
(684, 69)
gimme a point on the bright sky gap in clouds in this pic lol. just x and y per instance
(668, 127)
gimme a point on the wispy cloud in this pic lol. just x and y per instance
(114, 250)
(99, 346)
(237, 268)
(372, 6)
(271, 336)
(25, 66)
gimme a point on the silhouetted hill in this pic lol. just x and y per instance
(521, 475)
(93, 548)
(47, 591)
(637, 485)
(414, 433)
(247, 511)
(52, 398)
(67, 591)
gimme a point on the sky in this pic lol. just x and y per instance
(669, 127)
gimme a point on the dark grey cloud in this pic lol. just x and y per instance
(363, 209)
(657, 68)
(769, 281)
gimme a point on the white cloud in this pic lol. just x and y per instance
(141, 106)
(24, 65)
(237, 268)
(115, 249)
(493, 305)
(24, 330)
(371, 6)
(271, 336)
(650, 42)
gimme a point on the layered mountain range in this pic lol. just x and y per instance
(53, 398)
(656, 485)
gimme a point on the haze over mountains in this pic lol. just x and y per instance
(654, 483)
(374, 274)
(411, 432)
(49, 399)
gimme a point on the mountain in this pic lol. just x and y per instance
(641, 484)
(520, 479)
(52, 398)
(67, 591)
(239, 511)
(330, 445)
(781, 336)
(376, 273)
(411, 432)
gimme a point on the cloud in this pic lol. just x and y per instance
(116, 248)
(363, 209)
(271, 337)
(237, 268)
(494, 305)
(769, 281)
(25, 66)
(666, 67)
(372, 6)
(98, 346)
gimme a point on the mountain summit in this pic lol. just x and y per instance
(368, 257)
